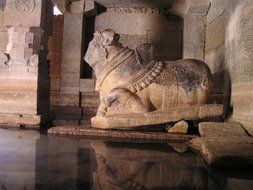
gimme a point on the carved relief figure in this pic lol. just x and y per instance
(134, 82)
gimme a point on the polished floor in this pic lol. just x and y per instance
(30, 160)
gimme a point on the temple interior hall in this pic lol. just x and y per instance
(171, 109)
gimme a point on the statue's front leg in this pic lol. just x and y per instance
(126, 99)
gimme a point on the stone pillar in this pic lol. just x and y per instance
(24, 79)
(3, 33)
(71, 59)
(194, 37)
(194, 29)
(151, 25)
(239, 56)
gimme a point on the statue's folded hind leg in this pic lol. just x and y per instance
(126, 99)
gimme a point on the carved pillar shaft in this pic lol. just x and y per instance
(24, 81)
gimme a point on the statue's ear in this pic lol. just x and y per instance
(110, 37)
(108, 40)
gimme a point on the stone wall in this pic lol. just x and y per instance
(229, 53)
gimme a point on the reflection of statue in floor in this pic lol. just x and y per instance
(130, 168)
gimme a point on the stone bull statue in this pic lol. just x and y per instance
(134, 82)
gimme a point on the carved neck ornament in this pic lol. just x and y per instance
(111, 64)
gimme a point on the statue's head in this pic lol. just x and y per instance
(97, 50)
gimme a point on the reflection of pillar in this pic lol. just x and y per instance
(24, 81)
(57, 163)
(17, 164)
(71, 59)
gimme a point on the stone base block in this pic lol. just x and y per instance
(90, 100)
(15, 120)
(122, 136)
(89, 112)
(59, 122)
(157, 117)
(87, 85)
(226, 145)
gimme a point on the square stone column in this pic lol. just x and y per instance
(194, 29)
(71, 59)
(24, 78)
(194, 37)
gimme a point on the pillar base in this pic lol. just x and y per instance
(23, 121)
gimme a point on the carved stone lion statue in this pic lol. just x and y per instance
(132, 81)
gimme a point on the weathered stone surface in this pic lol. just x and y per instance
(23, 13)
(60, 122)
(88, 113)
(84, 123)
(198, 7)
(216, 9)
(55, 64)
(90, 100)
(68, 116)
(218, 130)
(136, 3)
(3, 39)
(180, 8)
(167, 48)
(67, 109)
(120, 135)
(87, 85)
(18, 96)
(18, 119)
(55, 84)
(90, 8)
(24, 79)
(69, 98)
(133, 41)
(54, 98)
(215, 33)
(179, 127)
(242, 101)
(144, 22)
(224, 145)
(69, 82)
(71, 58)
(238, 41)
(194, 36)
(77, 7)
(238, 154)
(156, 117)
